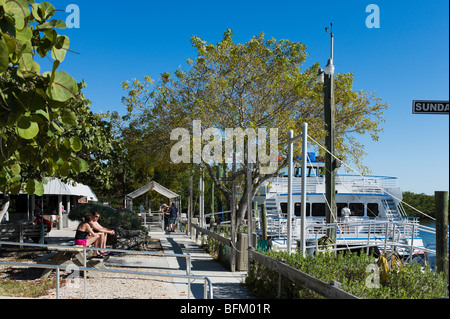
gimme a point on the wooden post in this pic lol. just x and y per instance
(264, 221)
(441, 201)
(329, 160)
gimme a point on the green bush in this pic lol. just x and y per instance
(109, 217)
(351, 270)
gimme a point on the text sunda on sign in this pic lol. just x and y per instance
(430, 107)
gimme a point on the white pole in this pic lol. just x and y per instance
(290, 201)
(304, 164)
(201, 199)
(59, 211)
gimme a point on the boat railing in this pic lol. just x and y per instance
(355, 183)
(398, 226)
(388, 244)
(399, 229)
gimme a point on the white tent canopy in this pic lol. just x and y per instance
(54, 186)
(152, 186)
(57, 187)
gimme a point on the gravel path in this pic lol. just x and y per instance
(109, 285)
(118, 286)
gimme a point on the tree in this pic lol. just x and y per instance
(46, 124)
(259, 84)
(422, 202)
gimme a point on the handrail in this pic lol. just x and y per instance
(76, 248)
(207, 283)
(411, 246)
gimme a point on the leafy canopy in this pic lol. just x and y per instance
(45, 120)
(257, 84)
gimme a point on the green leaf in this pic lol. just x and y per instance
(34, 187)
(24, 35)
(68, 117)
(42, 114)
(63, 87)
(15, 169)
(26, 128)
(26, 62)
(43, 11)
(64, 170)
(54, 24)
(79, 165)
(84, 166)
(60, 49)
(76, 144)
(4, 56)
(18, 10)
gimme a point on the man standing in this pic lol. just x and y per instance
(173, 216)
(345, 213)
(101, 242)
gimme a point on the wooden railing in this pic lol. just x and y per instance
(327, 290)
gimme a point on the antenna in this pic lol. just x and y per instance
(332, 39)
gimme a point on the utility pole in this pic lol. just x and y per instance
(441, 200)
(233, 215)
(249, 202)
(329, 110)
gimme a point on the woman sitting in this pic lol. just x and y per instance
(85, 236)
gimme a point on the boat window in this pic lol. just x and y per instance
(372, 210)
(318, 209)
(357, 209)
(283, 207)
(298, 209)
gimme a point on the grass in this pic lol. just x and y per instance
(26, 288)
(21, 282)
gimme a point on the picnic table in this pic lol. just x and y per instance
(70, 256)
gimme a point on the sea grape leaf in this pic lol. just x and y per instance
(34, 187)
(4, 56)
(60, 49)
(42, 11)
(68, 117)
(76, 144)
(62, 86)
(26, 128)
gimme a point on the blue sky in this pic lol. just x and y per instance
(406, 59)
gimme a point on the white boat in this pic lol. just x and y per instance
(377, 216)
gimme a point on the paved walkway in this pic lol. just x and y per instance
(226, 284)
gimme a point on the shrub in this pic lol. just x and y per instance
(109, 217)
(351, 270)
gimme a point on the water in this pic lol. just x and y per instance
(428, 239)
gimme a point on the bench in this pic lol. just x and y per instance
(21, 232)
